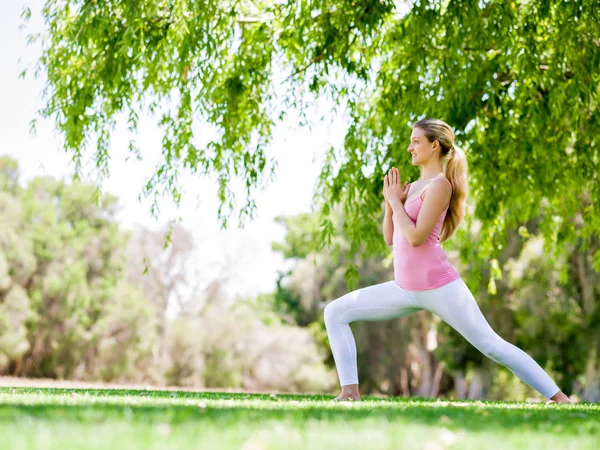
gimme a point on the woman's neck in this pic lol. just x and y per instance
(426, 178)
(431, 169)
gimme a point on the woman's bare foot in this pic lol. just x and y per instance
(559, 397)
(341, 398)
(349, 392)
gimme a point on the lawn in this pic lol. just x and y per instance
(52, 418)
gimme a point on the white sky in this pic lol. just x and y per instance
(298, 151)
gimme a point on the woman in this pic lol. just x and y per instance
(416, 215)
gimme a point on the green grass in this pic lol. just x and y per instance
(35, 418)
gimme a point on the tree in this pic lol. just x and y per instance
(64, 309)
(74, 303)
(518, 81)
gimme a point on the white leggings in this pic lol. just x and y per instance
(453, 303)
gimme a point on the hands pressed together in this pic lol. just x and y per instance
(393, 190)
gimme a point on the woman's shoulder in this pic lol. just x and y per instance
(440, 186)
(443, 181)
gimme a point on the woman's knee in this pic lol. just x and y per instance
(334, 310)
(330, 312)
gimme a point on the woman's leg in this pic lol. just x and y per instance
(382, 301)
(455, 304)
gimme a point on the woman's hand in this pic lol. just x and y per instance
(393, 191)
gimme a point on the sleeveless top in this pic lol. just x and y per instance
(425, 266)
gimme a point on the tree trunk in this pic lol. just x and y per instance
(424, 355)
(437, 378)
(460, 384)
(479, 385)
(591, 391)
(404, 384)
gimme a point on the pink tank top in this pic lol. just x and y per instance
(426, 266)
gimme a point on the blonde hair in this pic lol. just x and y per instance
(456, 171)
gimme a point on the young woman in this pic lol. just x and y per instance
(418, 217)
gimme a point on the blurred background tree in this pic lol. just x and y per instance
(82, 299)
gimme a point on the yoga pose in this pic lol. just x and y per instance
(418, 217)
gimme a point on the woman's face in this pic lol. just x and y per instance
(420, 148)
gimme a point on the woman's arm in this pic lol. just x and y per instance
(392, 178)
(388, 225)
(435, 202)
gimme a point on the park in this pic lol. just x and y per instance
(281, 224)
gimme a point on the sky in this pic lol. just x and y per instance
(246, 251)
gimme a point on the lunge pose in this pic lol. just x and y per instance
(418, 217)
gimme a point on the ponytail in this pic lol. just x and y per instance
(456, 172)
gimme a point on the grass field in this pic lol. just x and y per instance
(53, 418)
